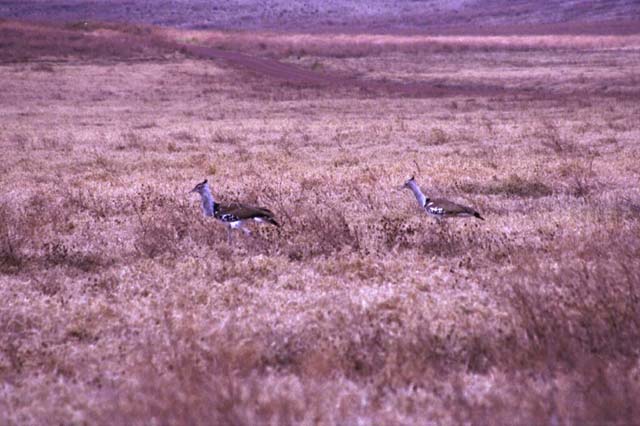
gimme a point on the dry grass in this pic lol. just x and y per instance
(24, 42)
(356, 45)
(122, 305)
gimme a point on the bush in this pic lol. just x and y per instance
(513, 186)
(12, 239)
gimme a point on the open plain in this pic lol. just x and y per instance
(122, 304)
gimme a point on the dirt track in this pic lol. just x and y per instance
(264, 66)
(304, 77)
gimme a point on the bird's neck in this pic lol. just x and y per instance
(422, 199)
(208, 203)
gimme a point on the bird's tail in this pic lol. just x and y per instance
(271, 220)
(477, 215)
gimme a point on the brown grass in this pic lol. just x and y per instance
(24, 42)
(123, 305)
(357, 45)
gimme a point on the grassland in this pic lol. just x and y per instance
(123, 305)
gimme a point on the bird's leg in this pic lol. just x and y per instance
(229, 235)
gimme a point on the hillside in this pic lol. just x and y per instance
(318, 15)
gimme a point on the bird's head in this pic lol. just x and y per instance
(409, 182)
(201, 188)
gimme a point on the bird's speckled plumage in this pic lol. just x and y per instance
(233, 215)
(440, 208)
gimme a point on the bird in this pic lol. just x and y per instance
(440, 208)
(233, 215)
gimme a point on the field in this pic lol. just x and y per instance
(122, 304)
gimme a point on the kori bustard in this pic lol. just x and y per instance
(440, 208)
(233, 215)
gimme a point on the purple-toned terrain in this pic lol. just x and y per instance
(599, 16)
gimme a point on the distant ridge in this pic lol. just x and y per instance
(427, 16)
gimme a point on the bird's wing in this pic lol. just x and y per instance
(244, 211)
(449, 207)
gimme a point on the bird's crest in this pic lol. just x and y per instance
(408, 182)
(199, 187)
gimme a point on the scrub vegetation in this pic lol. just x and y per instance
(122, 304)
